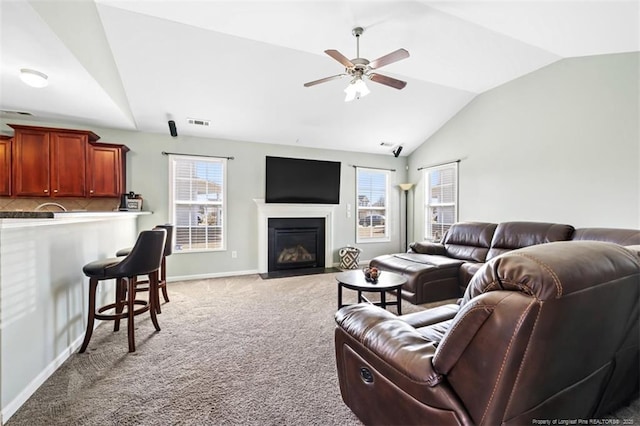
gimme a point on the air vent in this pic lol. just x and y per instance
(15, 113)
(386, 144)
(198, 122)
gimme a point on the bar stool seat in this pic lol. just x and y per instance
(143, 285)
(144, 259)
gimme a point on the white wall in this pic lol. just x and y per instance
(147, 174)
(44, 294)
(558, 145)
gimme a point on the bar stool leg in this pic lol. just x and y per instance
(154, 298)
(163, 279)
(93, 284)
(131, 297)
(121, 294)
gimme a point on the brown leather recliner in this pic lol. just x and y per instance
(549, 331)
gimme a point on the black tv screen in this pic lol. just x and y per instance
(296, 180)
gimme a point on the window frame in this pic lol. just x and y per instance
(429, 204)
(386, 208)
(173, 203)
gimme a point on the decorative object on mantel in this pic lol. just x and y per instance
(406, 187)
(360, 68)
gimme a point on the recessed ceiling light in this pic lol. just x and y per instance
(34, 78)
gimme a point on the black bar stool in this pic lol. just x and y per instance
(162, 281)
(144, 259)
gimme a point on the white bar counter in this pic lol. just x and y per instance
(43, 292)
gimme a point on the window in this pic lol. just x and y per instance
(441, 199)
(372, 191)
(197, 202)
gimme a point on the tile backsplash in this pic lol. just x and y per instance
(71, 203)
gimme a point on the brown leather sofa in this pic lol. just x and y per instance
(439, 271)
(548, 331)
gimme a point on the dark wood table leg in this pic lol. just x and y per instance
(398, 292)
(383, 300)
(359, 296)
(339, 295)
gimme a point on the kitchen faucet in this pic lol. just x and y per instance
(50, 204)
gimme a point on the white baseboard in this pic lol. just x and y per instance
(214, 275)
(13, 406)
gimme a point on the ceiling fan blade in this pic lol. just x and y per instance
(389, 59)
(322, 80)
(340, 58)
(387, 81)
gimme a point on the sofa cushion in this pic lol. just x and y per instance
(624, 237)
(467, 271)
(427, 247)
(438, 273)
(469, 240)
(514, 235)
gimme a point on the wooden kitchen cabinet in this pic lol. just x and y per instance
(30, 162)
(106, 170)
(49, 162)
(68, 164)
(5, 166)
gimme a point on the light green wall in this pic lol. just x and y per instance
(147, 174)
(558, 145)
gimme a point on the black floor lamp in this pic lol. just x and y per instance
(406, 187)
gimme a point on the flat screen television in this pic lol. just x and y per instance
(297, 180)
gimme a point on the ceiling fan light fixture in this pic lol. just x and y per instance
(34, 78)
(356, 89)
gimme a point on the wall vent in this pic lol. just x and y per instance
(386, 144)
(198, 122)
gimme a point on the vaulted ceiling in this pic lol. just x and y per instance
(242, 65)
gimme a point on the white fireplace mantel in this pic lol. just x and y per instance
(274, 210)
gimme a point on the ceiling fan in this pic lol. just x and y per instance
(360, 68)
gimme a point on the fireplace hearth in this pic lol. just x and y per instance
(295, 243)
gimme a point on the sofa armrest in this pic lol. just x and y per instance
(431, 316)
(391, 339)
(426, 247)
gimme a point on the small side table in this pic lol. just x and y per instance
(387, 281)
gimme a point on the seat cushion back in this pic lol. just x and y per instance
(624, 237)
(469, 240)
(514, 235)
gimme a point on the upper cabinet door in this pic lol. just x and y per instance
(68, 164)
(106, 170)
(31, 163)
(5, 166)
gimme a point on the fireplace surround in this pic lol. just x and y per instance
(278, 210)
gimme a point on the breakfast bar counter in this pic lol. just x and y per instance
(43, 292)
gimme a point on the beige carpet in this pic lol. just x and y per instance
(232, 351)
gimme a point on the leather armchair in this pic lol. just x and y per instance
(545, 332)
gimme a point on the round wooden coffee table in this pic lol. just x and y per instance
(387, 281)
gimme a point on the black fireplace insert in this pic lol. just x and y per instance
(296, 243)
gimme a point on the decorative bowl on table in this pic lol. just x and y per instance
(371, 274)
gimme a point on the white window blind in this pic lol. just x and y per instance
(441, 199)
(197, 202)
(372, 213)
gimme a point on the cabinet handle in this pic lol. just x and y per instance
(46, 190)
(55, 190)
(91, 191)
